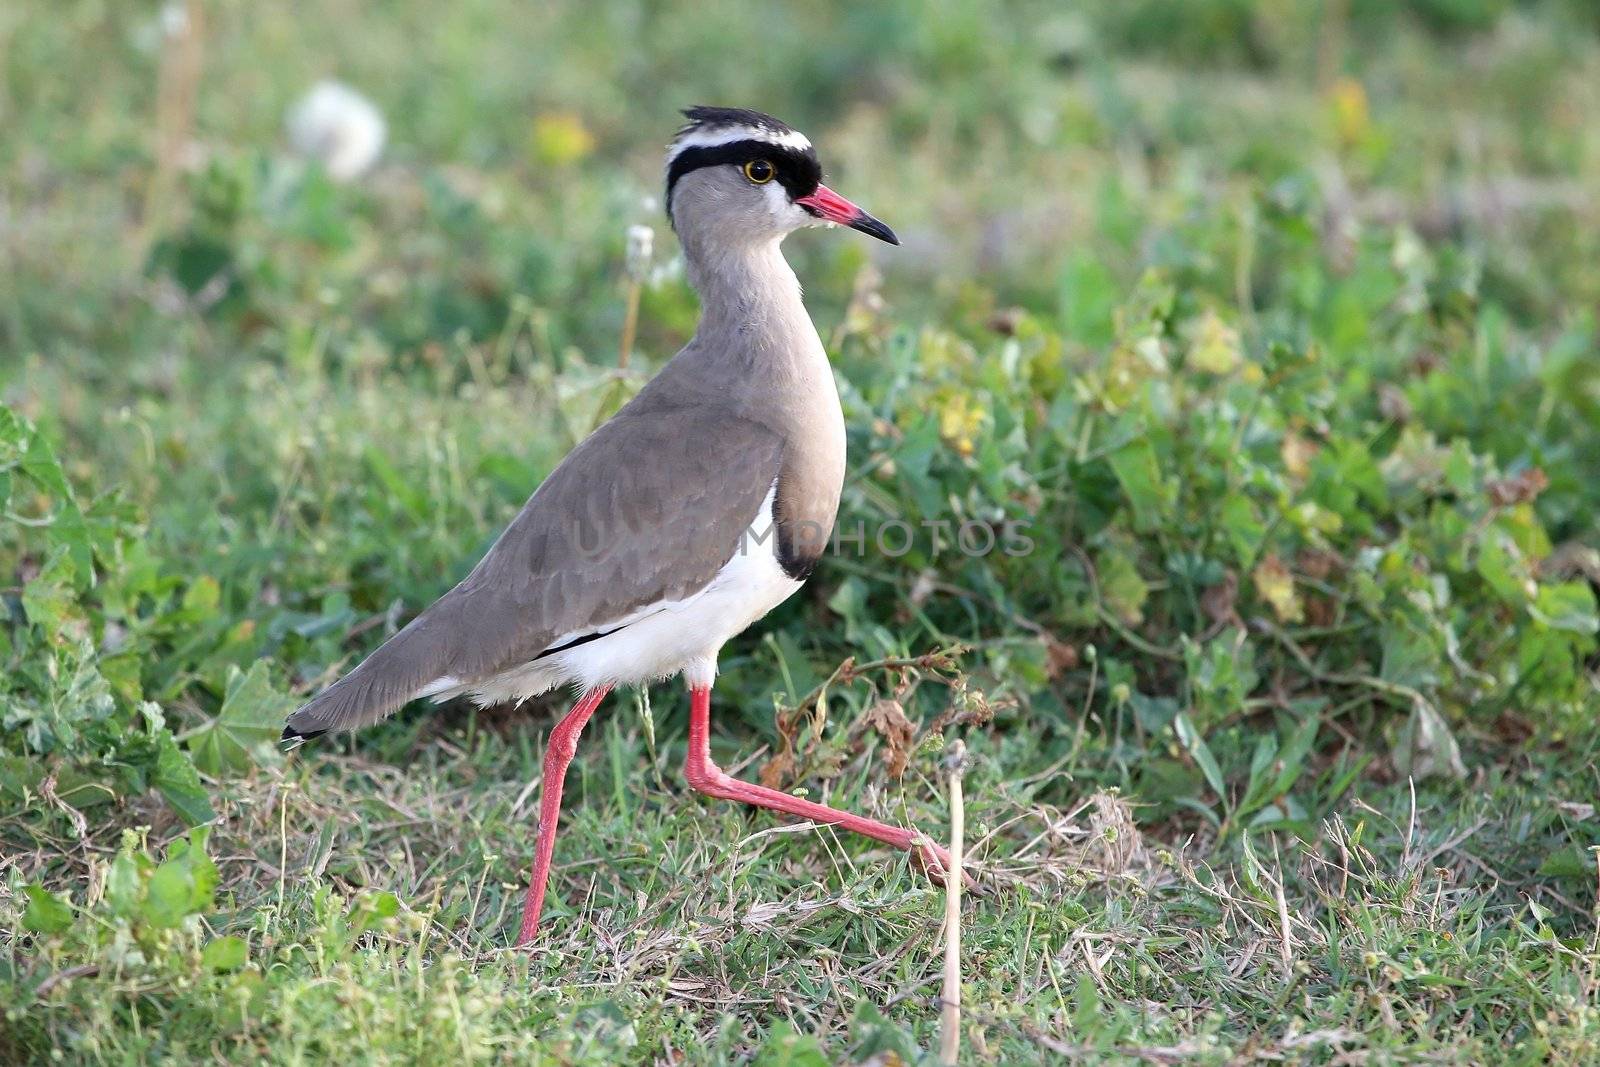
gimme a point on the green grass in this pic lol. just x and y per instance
(1272, 328)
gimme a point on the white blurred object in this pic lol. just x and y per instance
(174, 19)
(641, 247)
(339, 128)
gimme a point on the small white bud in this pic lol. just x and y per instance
(339, 128)
(641, 247)
(174, 20)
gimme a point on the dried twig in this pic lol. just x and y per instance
(641, 244)
(82, 970)
(950, 997)
(630, 325)
(177, 89)
(1285, 936)
(789, 718)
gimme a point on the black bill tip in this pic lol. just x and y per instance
(873, 228)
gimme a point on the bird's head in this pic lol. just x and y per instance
(738, 176)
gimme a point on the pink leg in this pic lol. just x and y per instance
(558, 753)
(710, 779)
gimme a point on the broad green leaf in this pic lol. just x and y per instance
(1121, 586)
(183, 885)
(67, 530)
(46, 913)
(1571, 862)
(785, 1048)
(1237, 519)
(252, 714)
(1153, 713)
(169, 896)
(877, 1036)
(606, 1023)
(371, 909)
(177, 781)
(1140, 476)
(70, 532)
(1502, 566)
(1460, 472)
(1088, 296)
(849, 603)
(191, 851)
(125, 882)
(1409, 655)
(224, 954)
(202, 598)
(1567, 606)
(17, 775)
(1221, 675)
(49, 599)
(1357, 469)
(38, 463)
(84, 787)
(122, 674)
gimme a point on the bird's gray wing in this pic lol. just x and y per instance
(648, 508)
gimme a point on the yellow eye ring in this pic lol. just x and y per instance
(759, 171)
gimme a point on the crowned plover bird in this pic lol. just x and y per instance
(696, 509)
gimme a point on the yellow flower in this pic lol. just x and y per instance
(1275, 585)
(1347, 101)
(1215, 348)
(960, 420)
(560, 138)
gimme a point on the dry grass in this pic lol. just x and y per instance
(712, 920)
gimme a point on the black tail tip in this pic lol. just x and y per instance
(291, 734)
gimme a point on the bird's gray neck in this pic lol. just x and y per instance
(750, 304)
(757, 352)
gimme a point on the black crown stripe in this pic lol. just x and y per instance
(798, 170)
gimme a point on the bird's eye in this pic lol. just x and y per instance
(759, 171)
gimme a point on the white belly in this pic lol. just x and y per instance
(659, 640)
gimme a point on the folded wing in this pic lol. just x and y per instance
(648, 508)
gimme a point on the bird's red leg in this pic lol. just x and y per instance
(558, 753)
(710, 779)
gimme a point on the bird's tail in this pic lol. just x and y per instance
(398, 672)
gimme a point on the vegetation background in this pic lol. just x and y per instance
(1276, 320)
